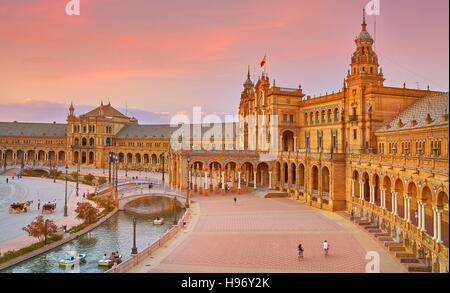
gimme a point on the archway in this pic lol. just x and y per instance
(414, 210)
(91, 158)
(61, 156)
(83, 158)
(41, 156)
(387, 186)
(429, 221)
(315, 180)
(285, 173)
(376, 184)
(442, 204)
(138, 158)
(356, 184)
(277, 174)
(76, 157)
(121, 157)
(366, 186)
(325, 182)
(262, 175)
(293, 174)
(288, 141)
(146, 158)
(301, 175)
(129, 158)
(400, 197)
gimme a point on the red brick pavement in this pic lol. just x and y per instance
(263, 234)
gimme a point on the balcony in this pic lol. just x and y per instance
(82, 146)
(353, 118)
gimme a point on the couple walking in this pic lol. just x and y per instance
(326, 248)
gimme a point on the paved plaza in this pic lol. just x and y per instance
(262, 235)
(19, 190)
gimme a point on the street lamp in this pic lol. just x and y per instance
(175, 210)
(163, 159)
(65, 195)
(134, 249)
(116, 160)
(109, 174)
(78, 175)
(188, 183)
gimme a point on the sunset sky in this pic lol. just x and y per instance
(164, 56)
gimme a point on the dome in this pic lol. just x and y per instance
(364, 35)
(248, 82)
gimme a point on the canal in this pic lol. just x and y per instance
(115, 234)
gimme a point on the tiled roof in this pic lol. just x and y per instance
(108, 110)
(156, 131)
(415, 116)
(32, 129)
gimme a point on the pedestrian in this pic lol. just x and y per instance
(7, 180)
(326, 247)
(235, 200)
(39, 204)
(300, 251)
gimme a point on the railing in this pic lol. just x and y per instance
(138, 258)
(353, 118)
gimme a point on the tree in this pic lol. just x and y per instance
(86, 212)
(75, 175)
(89, 178)
(101, 180)
(54, 173)
(39, 229)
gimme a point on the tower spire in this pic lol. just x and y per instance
(248, 73)
(364, 25)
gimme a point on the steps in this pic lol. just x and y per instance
(419, 269)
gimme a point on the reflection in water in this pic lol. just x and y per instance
(116, 234)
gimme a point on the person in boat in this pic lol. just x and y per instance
(113, 256)
(117, 255)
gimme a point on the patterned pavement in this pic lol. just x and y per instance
(262, 235)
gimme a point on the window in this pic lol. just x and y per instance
(284, 117)
(355, 134)
(306, 118)
(336, 115)
(291, 118)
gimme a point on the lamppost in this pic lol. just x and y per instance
(109, 174)
(65, 195)
(116, 160)
(134, 249)
(163, 159)
(188, 183)
(78, 175)
(175, 210)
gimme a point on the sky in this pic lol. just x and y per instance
(156, 58)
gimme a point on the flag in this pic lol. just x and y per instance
(263, 62)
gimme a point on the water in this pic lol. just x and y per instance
(115, 234)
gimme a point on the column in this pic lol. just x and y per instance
(434, 224)
(281, 143)
(383, 198)
(372, 193)
(254, 179)
(394, 202)
(223, 180)
(361, 190)
(206, 181)
(439, 225)
(270, 179)
(406, 207)
(262, 178)
(419, 214)
(423, 214)
(295, 143)
(239, 180)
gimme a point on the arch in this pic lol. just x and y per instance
(387, 186)
(108, 141)
(121, 157)
(91, 158)
(325, 182)
(277, 174)
(262, 174)
(41, 155)
(366, 186)
(442, 204)
(83, 158)
(398, 185)
(52, 156)
(288, 141)
(154, 159)
(146, 159)
(285, 173)
(61, 156)
(138, 158)
(355, 183)
(84, 141)
(293, 174)
(426, 197)
(129, 158)
(76, 157)
(76, 141)
(376, 184)
(91, 141)
(247, 172)
(412, 192)
(301, 175)
(315, 180)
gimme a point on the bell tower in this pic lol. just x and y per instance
(364, 67)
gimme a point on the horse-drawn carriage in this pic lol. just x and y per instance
(48, 208)
(19, 207)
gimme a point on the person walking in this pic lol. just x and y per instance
(300, 251)
(39, 204)
(235, 200)
(326, 247)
